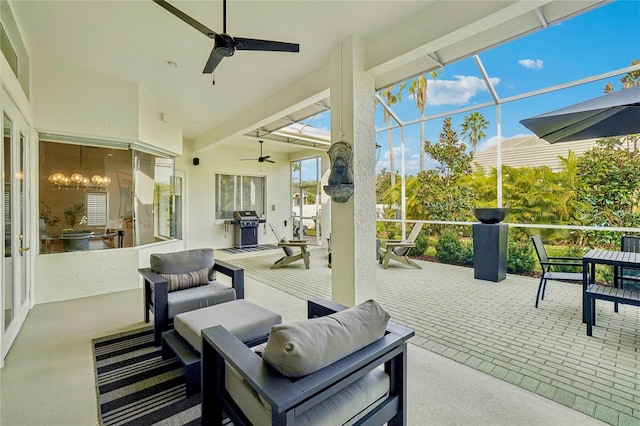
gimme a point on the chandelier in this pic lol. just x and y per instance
(76, 180)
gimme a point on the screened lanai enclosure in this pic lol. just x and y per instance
(451, 138)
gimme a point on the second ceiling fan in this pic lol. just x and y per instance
(261, 158)
(225, 45)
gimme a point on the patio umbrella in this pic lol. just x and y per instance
(614, 114)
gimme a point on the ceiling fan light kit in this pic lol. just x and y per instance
(225, 45)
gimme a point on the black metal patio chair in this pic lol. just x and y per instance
(627, 276)
(548, 263)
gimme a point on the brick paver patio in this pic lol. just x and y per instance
(495, 328)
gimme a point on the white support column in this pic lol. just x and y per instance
(353, 224)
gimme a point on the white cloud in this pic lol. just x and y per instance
(411, 161)
(458, 91)
(532, 64)
(487, 143)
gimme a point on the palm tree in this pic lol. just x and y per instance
(391, 98)
(418, 87)
(473, 129)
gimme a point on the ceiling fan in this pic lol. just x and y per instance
(225, 45)
(262, 158)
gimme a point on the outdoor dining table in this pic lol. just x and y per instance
(614, 258)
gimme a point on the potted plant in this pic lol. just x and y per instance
(75, 240)
(47, 215)
(72, 214)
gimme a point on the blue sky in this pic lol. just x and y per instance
(603, 40)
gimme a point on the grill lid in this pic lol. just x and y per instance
(243, 215)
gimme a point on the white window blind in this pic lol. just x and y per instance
(237, 192)
(97, 208)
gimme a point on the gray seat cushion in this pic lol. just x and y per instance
(343, 408)
(246, 320)
(199, 297)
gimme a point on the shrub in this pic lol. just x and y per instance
(571, 251)
(449, 248)
(604, 274)
(422, 244)
(467, 252)
(520, 258)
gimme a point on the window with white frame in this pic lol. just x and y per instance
(104, 185)
(238, 192)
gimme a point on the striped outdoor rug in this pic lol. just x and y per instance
(250, 249)
(135, 386)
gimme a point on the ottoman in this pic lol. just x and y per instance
(247, 321)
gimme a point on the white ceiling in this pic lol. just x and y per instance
(131, 40)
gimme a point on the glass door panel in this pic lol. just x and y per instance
(7, 279)
(23, 237)
(305, 197)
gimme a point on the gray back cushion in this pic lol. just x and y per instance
(185, 261)
(287, 250)
(300, 348)
(401, 251)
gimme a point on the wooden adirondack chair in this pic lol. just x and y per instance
(399, 250)
(289, 255)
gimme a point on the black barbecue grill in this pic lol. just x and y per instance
(245, 228)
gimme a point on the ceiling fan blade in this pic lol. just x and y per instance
(265, 45)
(186, 18)
(270, 161)
(214, 59)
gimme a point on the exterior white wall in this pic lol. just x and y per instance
(63, 276)
(202, 228)
(166, 134)
(166, 247)
(81, 102)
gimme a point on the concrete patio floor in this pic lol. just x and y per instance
(495, 328)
